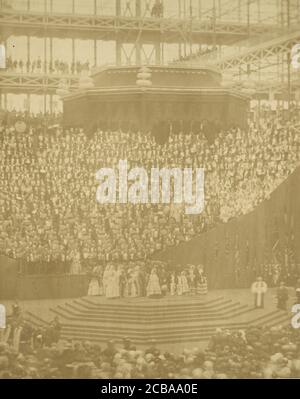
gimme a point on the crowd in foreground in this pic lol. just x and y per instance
(257, 352)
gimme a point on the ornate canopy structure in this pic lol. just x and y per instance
(144, 97)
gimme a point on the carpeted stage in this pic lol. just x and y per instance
(174, 322)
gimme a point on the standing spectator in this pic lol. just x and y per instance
(298, 291)
(39, 65)
(21, 65)
(33, 64)
(28, 66)
(282, 296)
(56, 66)
(51, 70)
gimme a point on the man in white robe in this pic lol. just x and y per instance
(259, 288)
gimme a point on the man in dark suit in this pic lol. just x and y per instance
(282, 296)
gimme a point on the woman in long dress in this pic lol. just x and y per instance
(129, 283)
(202, 288)
(182, 286)
(153, 286)
(173, 285)
(192, 279)
(94, 287)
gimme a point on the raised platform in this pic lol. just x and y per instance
(171, 321)
(164, 94)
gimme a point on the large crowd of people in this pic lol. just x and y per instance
(48, 207)
(37, 121)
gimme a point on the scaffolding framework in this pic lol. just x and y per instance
(263, 52)
(137, 28)
(35, 83)
(168, 30)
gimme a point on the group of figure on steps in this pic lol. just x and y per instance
(118, 281)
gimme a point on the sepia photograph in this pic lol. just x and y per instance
(149, 191)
